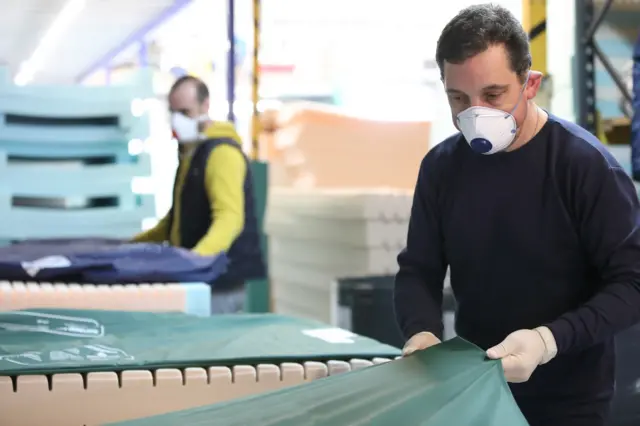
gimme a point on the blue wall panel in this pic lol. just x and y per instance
(615, 37)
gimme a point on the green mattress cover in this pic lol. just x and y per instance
(452, 384)
(47, 341)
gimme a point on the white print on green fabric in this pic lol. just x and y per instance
(33, 267)
(91, 353)
(38, 322)
(331, 335)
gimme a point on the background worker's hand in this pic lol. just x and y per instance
(522, 351)
(419, 341)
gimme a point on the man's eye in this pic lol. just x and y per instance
(492, 96)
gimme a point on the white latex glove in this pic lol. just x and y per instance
(419, 341)
(522, 351)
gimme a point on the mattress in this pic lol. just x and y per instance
(448, 384)
(84, 367)
(55, 340)
(190, 298)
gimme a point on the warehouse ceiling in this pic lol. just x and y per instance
(98, 27)
(102, 25)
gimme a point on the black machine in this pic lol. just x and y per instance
(365, 306)
(625, 410)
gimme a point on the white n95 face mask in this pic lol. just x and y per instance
(489, 130)
(186, 129)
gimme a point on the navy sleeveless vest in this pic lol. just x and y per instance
(245, 254)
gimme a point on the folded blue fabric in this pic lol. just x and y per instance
(48, 268)
(106, 262)
(153, 263)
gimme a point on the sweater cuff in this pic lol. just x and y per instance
(561, 330)
(412, 330)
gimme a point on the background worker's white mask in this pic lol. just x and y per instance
(186, 129)
(489, 130)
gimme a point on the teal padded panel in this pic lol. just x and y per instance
(20, 223)
(49, 179)
(73, 102)
(198, 299)
(258, 299)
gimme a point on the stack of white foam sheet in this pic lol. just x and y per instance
(318, 235)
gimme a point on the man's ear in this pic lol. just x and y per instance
(533, 85)
(206, 105)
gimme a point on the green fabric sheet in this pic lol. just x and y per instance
(452, 384)
(57, 341)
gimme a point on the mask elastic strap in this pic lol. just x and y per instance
(524, 86)
(204, 118)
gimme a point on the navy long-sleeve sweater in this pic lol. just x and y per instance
(548, 234)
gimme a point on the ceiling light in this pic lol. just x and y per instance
(51, 38)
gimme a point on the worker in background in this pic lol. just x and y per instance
(538, 223)
(213, 204)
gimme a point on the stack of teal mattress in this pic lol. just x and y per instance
(69, 157)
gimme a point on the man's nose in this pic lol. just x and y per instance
(477, 102)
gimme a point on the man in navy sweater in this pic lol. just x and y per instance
(537, 222)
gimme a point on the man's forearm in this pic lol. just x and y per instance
(416, 313)
(224, 179)
(221, 235)
(417, 308)
(422, 264)
(609, 227)
(157, 234)
(614, 309)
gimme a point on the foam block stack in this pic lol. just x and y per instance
(68, 159)
(324, 147)
(319, 235)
